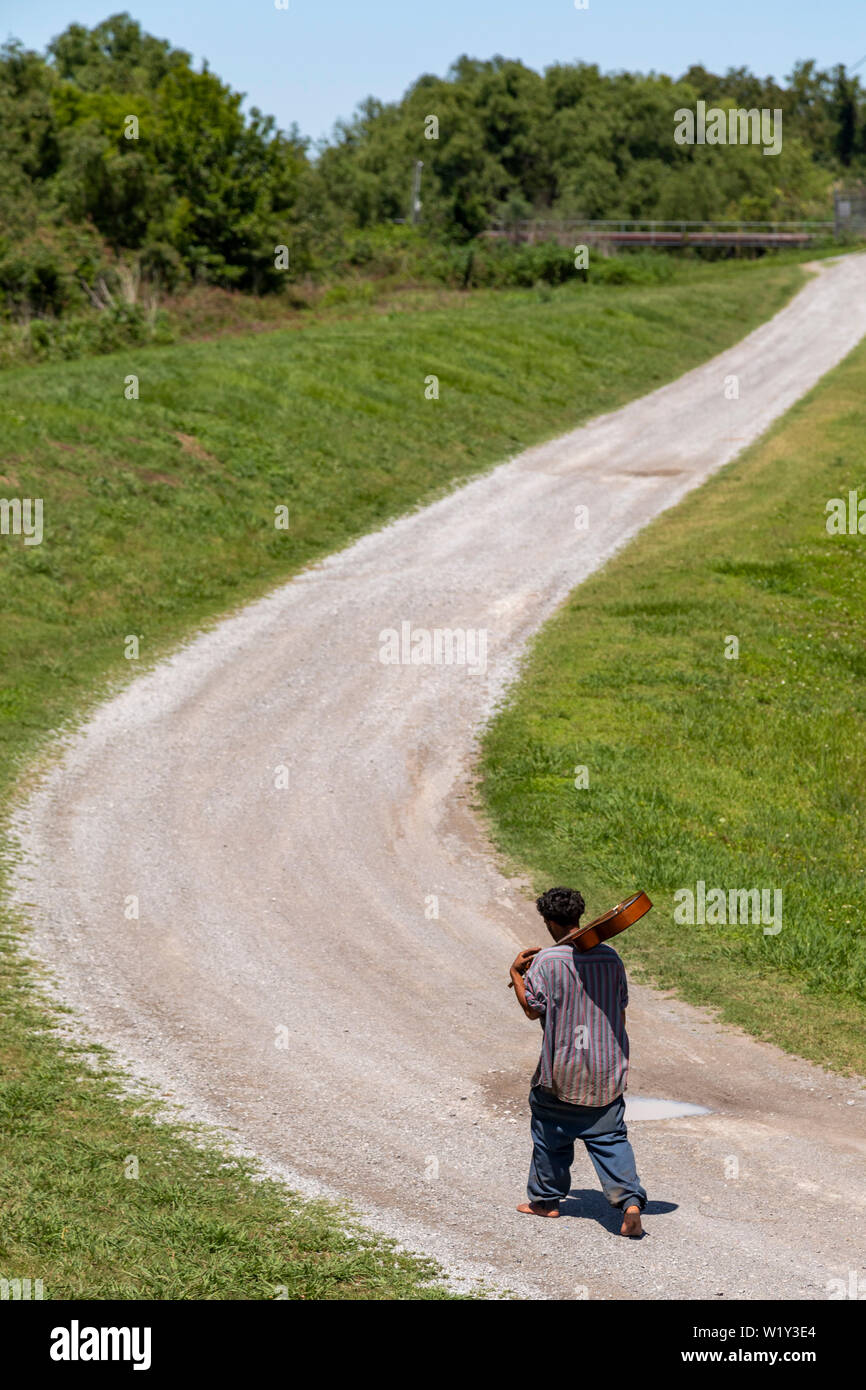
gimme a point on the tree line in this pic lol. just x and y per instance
(194, 188)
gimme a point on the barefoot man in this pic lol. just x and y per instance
(577, 1089)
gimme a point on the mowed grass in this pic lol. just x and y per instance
(159, 515)
(739, 773)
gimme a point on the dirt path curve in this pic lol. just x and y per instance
(283, 980)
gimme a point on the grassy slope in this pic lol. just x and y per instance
(741, 773)
(158, 515)
(394, 283)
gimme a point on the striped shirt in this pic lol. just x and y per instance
(581, 996)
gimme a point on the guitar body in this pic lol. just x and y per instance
(608, 924)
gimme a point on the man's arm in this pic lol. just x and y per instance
(519, 968)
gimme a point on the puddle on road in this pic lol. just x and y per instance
(647, 1108)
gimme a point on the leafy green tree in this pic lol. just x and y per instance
(114, 148)
(845, 116)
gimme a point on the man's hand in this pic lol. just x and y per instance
(520, 965)
(523, 960)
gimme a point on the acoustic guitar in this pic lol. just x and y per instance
(609, 924)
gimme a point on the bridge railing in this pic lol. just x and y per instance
(650, 231)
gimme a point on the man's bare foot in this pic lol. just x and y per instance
(631, 1222)
(539, 1209)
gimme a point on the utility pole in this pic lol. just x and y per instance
(416, 191)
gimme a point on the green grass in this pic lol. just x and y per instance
(429, 276)
(159, 516)
(741, 773)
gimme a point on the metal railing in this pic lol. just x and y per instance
(654, 231)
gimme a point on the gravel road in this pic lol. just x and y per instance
(285, 979)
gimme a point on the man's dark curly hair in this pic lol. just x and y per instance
(564, 906)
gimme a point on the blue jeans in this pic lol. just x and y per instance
(555, 1127)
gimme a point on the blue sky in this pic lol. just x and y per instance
(313, 62)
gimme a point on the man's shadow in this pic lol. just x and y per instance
(588, 1202)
